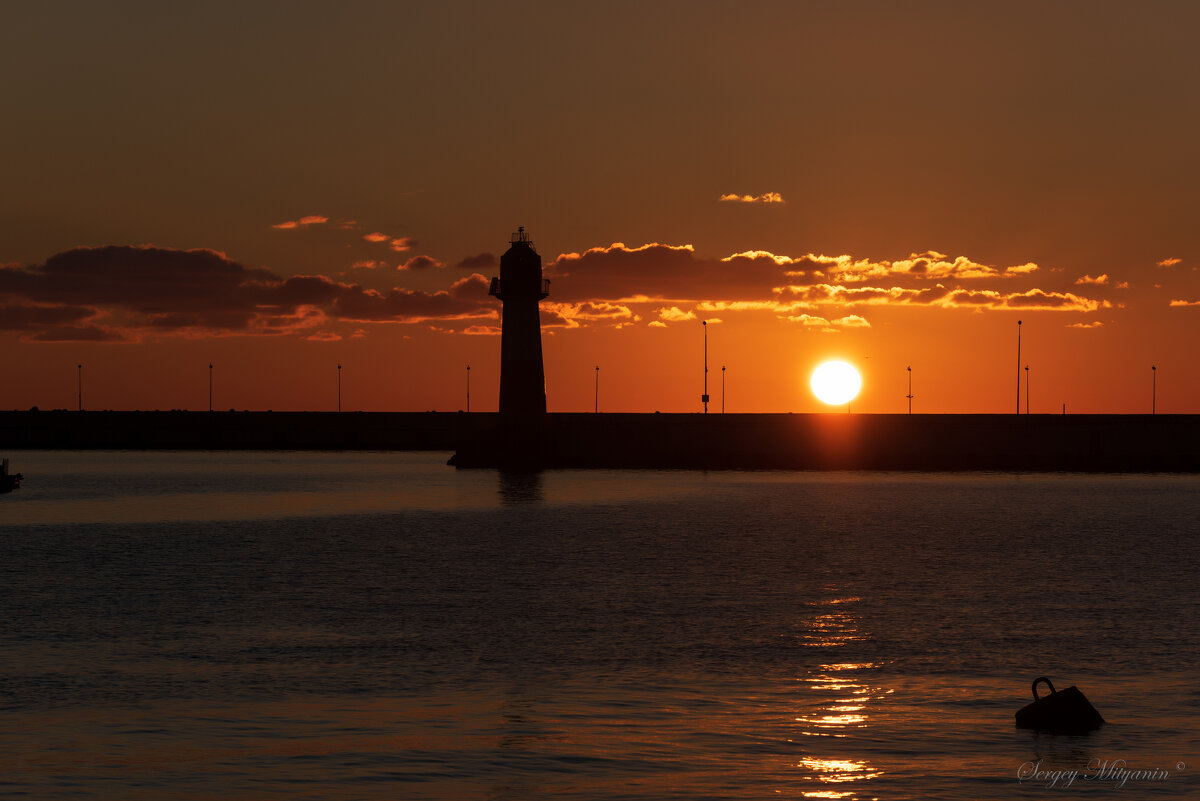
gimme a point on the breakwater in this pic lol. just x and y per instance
(1134, 443)
(181, 430)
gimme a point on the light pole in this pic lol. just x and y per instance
(1027, 389)
(909, 395)
(210, 386)
(1153, 389)
(722, 389)
(1018, 366)
(596, 401)
(339, 386)
(704, 397)
(468, 388)
(79, 384)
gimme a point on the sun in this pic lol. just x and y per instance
(836, 383)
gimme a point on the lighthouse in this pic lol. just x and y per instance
(520, 288)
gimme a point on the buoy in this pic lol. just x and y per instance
(1065, 712)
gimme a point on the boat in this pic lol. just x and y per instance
(9, 481)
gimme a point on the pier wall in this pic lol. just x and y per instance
(178, 430)
(1134, 443)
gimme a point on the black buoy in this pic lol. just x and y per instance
(1066, 712)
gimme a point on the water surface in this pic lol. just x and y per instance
(370, 625)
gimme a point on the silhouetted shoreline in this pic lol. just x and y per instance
(244, 430)
(1102, 443)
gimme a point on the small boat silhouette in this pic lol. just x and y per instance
(1065, 712)
(9, 481)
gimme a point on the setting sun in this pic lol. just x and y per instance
(836, 383)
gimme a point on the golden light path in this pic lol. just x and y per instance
(839, 705)
(836, 383)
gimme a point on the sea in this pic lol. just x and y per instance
(368, 625)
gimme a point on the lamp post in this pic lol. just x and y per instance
(596, 399)
(339, 374)
(909, 395)
(1018, 366)
(210, 386)
(1027, 389)
(1153, 389)
(722, 389)
(79, 384)
(704, 397)
(468, 388)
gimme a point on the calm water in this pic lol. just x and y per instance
(379, 626)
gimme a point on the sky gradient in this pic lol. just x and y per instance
(277, 188)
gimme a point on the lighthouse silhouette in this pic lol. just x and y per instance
(520, 288)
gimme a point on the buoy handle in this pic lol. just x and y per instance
(1038, 681)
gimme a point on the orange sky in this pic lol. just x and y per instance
(282, 188)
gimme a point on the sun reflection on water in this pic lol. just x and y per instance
(837, 701)
(839, 770)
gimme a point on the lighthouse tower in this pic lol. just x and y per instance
(520, 287)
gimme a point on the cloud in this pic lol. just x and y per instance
(1169, 262)
(64, 323)
(1040, 299)
(576, 315)
(146, 279)
(466, 298)
(675, 315)
(123, 292)
(760, 254)
(81, 333)
(420, 263)
(303, 222)
(758, 280)
(675, 274)
(929, 265)
(1093, 324)
(768, 197)
(657, 324)
(324, 336)
(551, 317)
(599, 311)
(21, 317)
(779, 307)
(1185, 303)
(1021, 269)
(838, 294)
(484, 261)
(481, 330)
(473, 287)
(147, 290)
(660, 272)
(852, 321)
(941, 296)
(1101, 280)
(809, 320)
(400, 244)
(408, 306)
